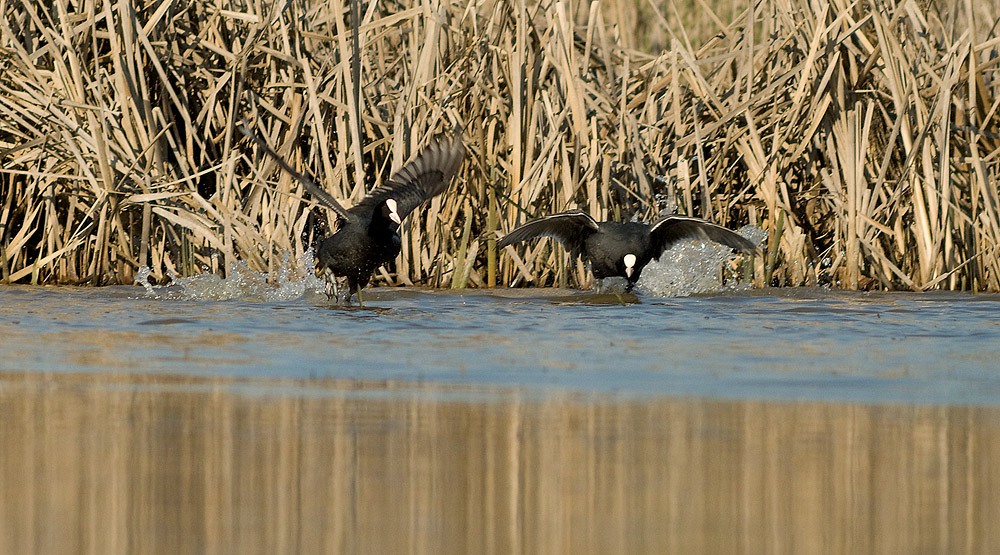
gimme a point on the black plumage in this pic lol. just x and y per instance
(623, 249)
(366, 235)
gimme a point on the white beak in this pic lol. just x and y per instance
(629, 261)
(393, 213)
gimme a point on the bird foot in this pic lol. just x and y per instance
(334, 288)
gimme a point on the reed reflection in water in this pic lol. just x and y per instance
(142, 464)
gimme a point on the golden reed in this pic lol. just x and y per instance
(862, 136)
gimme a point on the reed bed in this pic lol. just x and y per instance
(861, 136)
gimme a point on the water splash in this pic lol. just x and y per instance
(687, 268)
(142, 278)
(293, 279)
(754, 234)
(693, 267)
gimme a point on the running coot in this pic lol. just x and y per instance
(623, 249)
(367, 234)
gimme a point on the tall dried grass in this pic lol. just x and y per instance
(861, 135)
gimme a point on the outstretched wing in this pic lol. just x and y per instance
(424, 177)
(570, 228)
(308, 182)
(671, 229)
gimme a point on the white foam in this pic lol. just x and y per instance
(290, 281)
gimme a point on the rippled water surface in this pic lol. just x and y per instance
(776, 344)
(198, 420)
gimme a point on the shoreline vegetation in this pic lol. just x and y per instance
(861, 136)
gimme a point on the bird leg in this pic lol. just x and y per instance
(608, 285)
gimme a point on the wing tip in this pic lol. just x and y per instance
(307, 181)
(451, 151)
(444, 153)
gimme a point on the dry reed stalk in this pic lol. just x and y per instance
(862, 136)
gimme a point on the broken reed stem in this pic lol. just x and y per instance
(862, 138)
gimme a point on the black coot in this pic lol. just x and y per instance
(623, 249)
(367, 234)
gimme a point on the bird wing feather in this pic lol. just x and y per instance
(671, 229)
(570, 228)
(424, 177)
(307, 181)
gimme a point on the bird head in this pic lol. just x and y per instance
(393, 210)
(629, 260)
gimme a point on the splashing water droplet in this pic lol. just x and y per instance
(755, 234)
(693, 267)
(142, 278)
(293, 279)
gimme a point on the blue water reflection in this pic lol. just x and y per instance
(775, 344)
